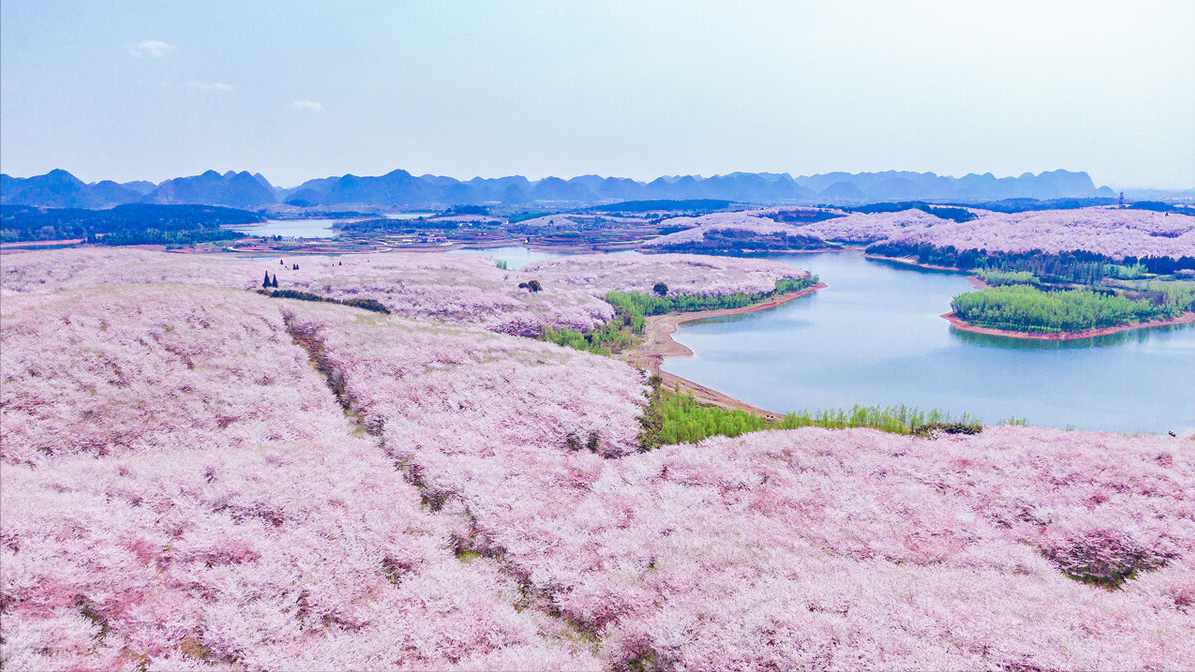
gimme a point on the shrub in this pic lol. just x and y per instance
(677, 417)
(367, 304)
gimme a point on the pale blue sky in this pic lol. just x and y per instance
(151, 90)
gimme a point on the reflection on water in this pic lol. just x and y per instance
(991, 340)
(515, 257)
(874, 337)
(518, 257)
(291, 228)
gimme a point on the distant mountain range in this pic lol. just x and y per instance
(400, 189)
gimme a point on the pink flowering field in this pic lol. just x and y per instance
(182, 491)
(850, 228)
(1110, 232)
(870, 227)
(700, 275)
(753, 221)
(193, 476)
(450, 288)
(841, 549)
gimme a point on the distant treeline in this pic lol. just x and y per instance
(738, 242)
(957, 214)
(803, 215)
(1074, 266)
(132, 224)
(694, 204)
(1009, 205)
(954, 209)
(387, 225)
(457, 210)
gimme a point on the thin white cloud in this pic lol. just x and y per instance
(309, 105)
(205, 86)
(154, 48)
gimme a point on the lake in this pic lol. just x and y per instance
(291, 228)
(518, 257)
(515, 257)
(874, 337)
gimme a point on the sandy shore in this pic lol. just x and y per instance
(1185, 318)
(658, 344)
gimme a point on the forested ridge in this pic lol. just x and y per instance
(132, 224)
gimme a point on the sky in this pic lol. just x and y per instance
(298, 90)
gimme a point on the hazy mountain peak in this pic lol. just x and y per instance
(398, 188)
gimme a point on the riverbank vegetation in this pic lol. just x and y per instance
(632, 308)
(1039, 292)
(641, 303)
(1029, 309)
(1075, 266)
(677, 417)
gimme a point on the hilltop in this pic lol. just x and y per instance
(401, 189)
(199, 476)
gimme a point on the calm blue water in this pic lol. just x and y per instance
(291, 228)
(518, 257)
(874, 337)
(515, 257)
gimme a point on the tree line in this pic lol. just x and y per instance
(131, 224)
(1078, 266)
(1029, 309)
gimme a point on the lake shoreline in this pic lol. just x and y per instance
(658, 345)
(916, 264)
(958, 323)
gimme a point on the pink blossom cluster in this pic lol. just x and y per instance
(181, 490)
(452, 288)
(460, 289)
(480, 219)
(56, 270)
(552, 222)
(867, 228)
(813, 547)
(573, 222)
(1112, 232)
(754, 221)
(851, 228)
(682, 273)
